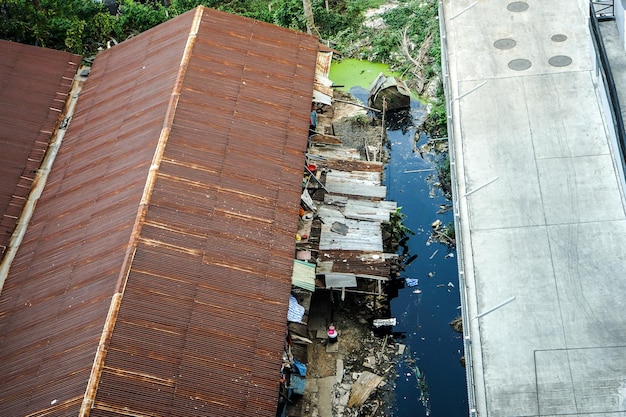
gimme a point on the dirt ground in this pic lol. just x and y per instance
(359, 349)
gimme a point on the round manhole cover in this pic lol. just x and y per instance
(559, 38)
(517, 6)
(520, 64)
(560, 61)
(505, 43)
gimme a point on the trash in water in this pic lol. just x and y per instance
(411, 282)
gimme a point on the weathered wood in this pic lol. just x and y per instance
(363, 388)
(327, 139)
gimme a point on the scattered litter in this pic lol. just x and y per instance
(431, 274)
(417, 291)
(450, 284)
(450, 255)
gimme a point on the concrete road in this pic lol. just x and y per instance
(541, 211)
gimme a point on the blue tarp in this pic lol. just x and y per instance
(297, 384)
(300, 367)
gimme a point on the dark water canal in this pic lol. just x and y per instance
(431, 380)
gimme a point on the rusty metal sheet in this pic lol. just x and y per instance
(202, 321)
(34, 86)
(59, 289)
(222, 207)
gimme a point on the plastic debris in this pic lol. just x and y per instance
(411, 282)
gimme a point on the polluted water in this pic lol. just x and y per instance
(430, 375)
(431, 378)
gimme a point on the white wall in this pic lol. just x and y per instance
(619, 6)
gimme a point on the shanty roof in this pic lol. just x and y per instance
(154, 278)
(34, 84)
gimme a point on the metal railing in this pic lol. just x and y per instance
(469, 370)
(603, 9)
(607, 78)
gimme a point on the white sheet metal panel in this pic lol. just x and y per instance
(357, 183)
(340, 280)
(377, 211)
(362, 235)
(303, 275)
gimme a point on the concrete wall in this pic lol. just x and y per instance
(619, 7)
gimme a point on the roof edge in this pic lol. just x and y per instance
(41, 177)
(116, 301)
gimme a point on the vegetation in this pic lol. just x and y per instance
(84, 26)
(408, 40)
(395, 230)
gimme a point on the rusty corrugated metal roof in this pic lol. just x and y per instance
(34, 85)
(170, 213)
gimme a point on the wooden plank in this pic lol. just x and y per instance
(363, 388)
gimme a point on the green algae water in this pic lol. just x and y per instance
(357, 73)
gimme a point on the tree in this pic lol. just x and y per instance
(310, 21)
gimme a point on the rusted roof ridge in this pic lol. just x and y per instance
(98, 365)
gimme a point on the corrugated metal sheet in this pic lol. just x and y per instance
(56, 297)
(303, 275)
(202, 321)
(356, 262)
(361, 235)
(356, 183)
(34, 85)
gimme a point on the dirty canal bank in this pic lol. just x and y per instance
(423, 351)
(430, 376)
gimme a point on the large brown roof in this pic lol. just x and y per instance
(34, 84)
(154, 278)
